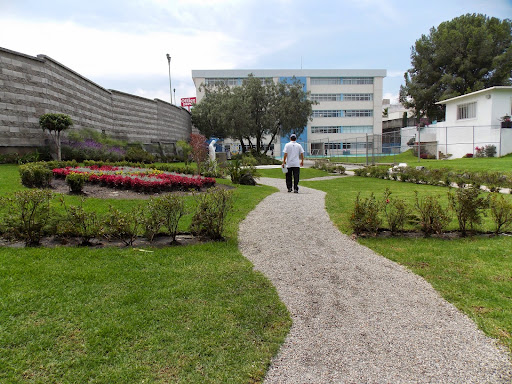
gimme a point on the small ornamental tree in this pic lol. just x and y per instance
(199, 150)
(55, 123)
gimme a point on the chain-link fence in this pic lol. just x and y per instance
(433, 142)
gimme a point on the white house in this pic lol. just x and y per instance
(473, 120)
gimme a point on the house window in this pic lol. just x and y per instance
(358, 129)
(332, 145)
(466, 111)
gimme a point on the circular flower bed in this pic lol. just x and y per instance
(145, 180)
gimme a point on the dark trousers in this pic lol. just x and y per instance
(293, 171)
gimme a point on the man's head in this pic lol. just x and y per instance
(293, 137)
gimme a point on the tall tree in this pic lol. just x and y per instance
(463, 55)
(253, 110)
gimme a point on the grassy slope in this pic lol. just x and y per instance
(474, 273)
(195, 314)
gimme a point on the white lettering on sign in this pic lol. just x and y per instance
(188, 101)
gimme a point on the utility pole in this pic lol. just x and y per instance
(170, 86)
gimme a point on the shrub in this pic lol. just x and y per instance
(501, 212)
(212, 209)
(173, 209)
(76, 181)
(153, 218)
(432, 216)
(468, 155)
(78, 222)
(35, 175)
(365, 216)
(467, 206)
(122, 226)
(490, 150)
(240, 173)
(28, 215)
(137, 154)
(396, 212)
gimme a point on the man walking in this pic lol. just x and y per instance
(293, 159)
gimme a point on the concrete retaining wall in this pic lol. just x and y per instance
(32, 86)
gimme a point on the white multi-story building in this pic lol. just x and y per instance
(349, 108)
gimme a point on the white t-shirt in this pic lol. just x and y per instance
(293, 149)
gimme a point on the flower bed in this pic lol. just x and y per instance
(145, 180)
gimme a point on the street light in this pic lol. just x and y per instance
(170, 86)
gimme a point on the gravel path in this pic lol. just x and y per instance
(357, 317)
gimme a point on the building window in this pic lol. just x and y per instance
(332, 145)
(466, 111)
(358, 113)
(327, 113)
(347, 145)
(326, 97)
(357, 129)
(326, 81)
(357, 97)
(222, 81)
(326, 129)
(357, 80)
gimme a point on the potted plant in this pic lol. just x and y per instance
(506, 122)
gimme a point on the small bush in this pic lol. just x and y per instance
(80, 223)
(501, 212)
(137, 154)
(76, 181)
(28, 215)
(212, 209)
(432, 216)
(35, 175)
(396, 212)
(173, 209)
(365, 216)
(153, 218)
(122, 226)
(468, 207)
(490, 150)
(242, 174)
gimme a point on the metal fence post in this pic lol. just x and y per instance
(366, 149)
(419, 143)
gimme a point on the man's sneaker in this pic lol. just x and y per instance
(296, 191)
(289, 190)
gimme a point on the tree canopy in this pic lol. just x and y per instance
(253, 110)
(463, 55)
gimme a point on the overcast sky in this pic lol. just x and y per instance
(122, 44)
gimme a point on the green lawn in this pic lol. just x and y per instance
(475, 274)
(502, 164)
(194, 314)
(305, 173)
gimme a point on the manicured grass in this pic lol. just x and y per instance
(305, 173)
(473, 273)
(502, 164)
(194, 314)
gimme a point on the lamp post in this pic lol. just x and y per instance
(170, 86)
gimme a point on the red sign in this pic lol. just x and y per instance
(188, 101)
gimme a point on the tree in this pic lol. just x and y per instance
(55, 123)
(253, 110)
(467, 54)
(199, 150)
